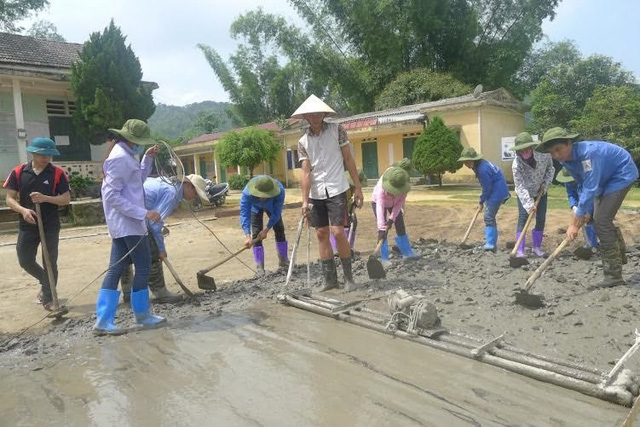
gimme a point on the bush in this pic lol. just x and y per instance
(238, 182)
(79, 185)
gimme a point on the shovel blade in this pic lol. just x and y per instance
(58, 312)
(375, 268)
(583, 253)
(528, 300)
(206, 283)
(516, 262)
(465, 246)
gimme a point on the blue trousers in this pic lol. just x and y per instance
(140, 256)
(490, 212)
(541, 215)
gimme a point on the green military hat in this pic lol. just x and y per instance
(564, 176)
(135, 131)
(553, 134)
(405, 164)
(361, 176)
(523, 141)
(263, 186)
(395, 181)
(469, 154)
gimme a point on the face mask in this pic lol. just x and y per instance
(526, 154)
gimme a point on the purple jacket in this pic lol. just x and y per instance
(122, 192)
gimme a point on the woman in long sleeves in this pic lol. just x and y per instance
(532, 175)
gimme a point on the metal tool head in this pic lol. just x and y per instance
(465, 246)
(205, 282)
(583, 253)
(375, 268)
(516, 262)
(528, 300)
(58, 312)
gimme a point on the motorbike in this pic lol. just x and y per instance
(216, 193)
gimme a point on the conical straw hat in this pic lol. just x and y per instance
(313, 104)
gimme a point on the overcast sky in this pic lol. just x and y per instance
(164, 34)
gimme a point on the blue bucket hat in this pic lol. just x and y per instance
(43, 146)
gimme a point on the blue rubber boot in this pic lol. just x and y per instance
(402, 242)
(491, 238)
(384, 254)
(142, 309)
(106, 307)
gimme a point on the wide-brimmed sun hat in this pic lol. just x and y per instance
(199, 184)
(135, 131)
(395, 181)
(523, 141)
(311, 105)
(552, 135)
(263, 186)
(361, 176)
(43, 146)
(469, 154)
(564, 176)
(405, 164)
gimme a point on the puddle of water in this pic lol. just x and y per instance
(280, 366)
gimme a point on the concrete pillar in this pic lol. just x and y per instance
(196, 166)
(216, 168)
(19, 114)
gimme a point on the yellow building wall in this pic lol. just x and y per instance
(496, 124)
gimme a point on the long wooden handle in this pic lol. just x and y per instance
(545, 264)
(526, 226)
(473, 221)
(292, 260)
(47, 258)
(175, 276)
(233, 255)
(376, 251)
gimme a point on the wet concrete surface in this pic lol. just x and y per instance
(274, 365)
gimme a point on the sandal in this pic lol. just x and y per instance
(48, 306)
(39, 298)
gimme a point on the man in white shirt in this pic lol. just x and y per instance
(324, 152)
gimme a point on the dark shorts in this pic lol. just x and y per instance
(329, 211)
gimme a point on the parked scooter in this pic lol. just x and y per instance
(216, 193)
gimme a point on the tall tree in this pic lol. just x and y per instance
(563, 93)
(45, 30)
(420, 85)
(437, 150)
(247, 148)
(12, 11)
(107, 82)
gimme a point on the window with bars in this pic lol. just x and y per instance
(60, 107)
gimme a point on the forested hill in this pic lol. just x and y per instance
(171, 121)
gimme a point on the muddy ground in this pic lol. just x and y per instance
(472, 289)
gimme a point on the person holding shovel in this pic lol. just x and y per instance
(573, 194)
(494, 192)
(38, 181)
(532, 175)
(351, 224)
(126, 215)
(263, 194)
(388, 197)
(324, 152)
(605, 172)
(162, 196)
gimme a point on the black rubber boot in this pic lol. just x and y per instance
(611, 266)
(349, 284)
(330, 275)
(622, 246)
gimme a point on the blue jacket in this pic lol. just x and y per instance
(163, 197)
(599, 168)
(248, 204)
(494, 186)
(573, 193)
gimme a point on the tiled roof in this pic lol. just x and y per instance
(23, 50)
(273, 126)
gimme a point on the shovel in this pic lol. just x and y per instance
(208, 283)
(292, 260)
(175, 276)
(374, 266)
(514, 261)
(582, 252)
(58, 311)
(462, 244)
(523, 297)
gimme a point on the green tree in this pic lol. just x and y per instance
(45, 30)
(437, 150)
(12, 11)
(612, 114)
(247, 148)
(420, 85)
(563, 93)
(107, 82)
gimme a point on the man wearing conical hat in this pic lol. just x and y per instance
(532, 175)
(263, 194)
(606, 172)
(324, 151)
